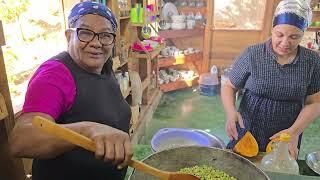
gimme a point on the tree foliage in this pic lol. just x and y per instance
(12, 9)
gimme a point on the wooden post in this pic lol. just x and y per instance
(271, 6)
(207, 37)
(10, 168)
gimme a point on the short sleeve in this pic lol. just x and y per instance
(314, 85)
(51, 90)
(240, 70)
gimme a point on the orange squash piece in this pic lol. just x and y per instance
(247, 146)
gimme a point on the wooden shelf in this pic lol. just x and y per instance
(124, 17)
(137, 24)
(117, 64)
(179, 84)
(126, 93)
(125, 9)
(181, 33)
(149, 55)
(194, 10)
(152, 93)
(316, 11)
(155, 13)
(172, 61)
(145, 83)
(313, 28)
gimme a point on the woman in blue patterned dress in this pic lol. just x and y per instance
(281, 81)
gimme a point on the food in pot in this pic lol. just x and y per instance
(207, 173)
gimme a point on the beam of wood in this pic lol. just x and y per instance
(207, 40)
(271, 6)
(4, 90)
(10, 168)
(2, 40)
(3, 108)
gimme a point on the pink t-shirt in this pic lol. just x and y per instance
(51, 90)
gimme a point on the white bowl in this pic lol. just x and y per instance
(178, 26)
(178, 18)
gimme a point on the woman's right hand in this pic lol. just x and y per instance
(231, 128)
(112, 145)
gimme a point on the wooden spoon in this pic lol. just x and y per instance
(86, 143)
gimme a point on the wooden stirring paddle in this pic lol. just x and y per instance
(86, 143)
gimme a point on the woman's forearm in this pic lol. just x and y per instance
(29, 142)
(307, 115)
(228, 98)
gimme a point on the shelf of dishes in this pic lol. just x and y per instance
(149, 55)
(314, 28)
(140, 16)
(182, 33)
(180, 59)
(179, 84)
(194, 10)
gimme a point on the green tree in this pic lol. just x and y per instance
(11, 11)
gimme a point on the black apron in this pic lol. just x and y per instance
(98, 99)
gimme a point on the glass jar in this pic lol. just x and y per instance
(279, 159)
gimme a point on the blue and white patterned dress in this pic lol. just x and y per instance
(274, 94)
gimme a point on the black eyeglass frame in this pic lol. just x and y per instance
(94, 35)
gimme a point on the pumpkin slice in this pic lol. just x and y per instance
(247, 146)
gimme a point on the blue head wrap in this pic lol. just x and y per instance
(293, 12)
(88, 7)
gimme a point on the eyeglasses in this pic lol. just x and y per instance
(86, 35)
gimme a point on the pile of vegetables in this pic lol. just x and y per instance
(207, 173)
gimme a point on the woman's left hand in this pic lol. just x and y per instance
(293, 144)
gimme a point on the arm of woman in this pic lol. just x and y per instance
(27, 141)
(308, 114)
(228, 91)
(237, 78)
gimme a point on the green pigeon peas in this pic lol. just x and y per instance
(207, 173)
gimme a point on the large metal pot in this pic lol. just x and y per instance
(168, 138)
(178, 158)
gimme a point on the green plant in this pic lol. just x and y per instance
(207, 173)
(11, 11)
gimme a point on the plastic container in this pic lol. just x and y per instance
(209, 84)
(279, 159)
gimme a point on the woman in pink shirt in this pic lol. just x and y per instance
(78, 90)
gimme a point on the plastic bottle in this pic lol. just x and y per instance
(279, 159)
(126, 81)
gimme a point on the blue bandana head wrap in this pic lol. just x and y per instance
(88, 7)
(293, 12)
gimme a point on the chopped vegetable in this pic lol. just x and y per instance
(207, 173)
